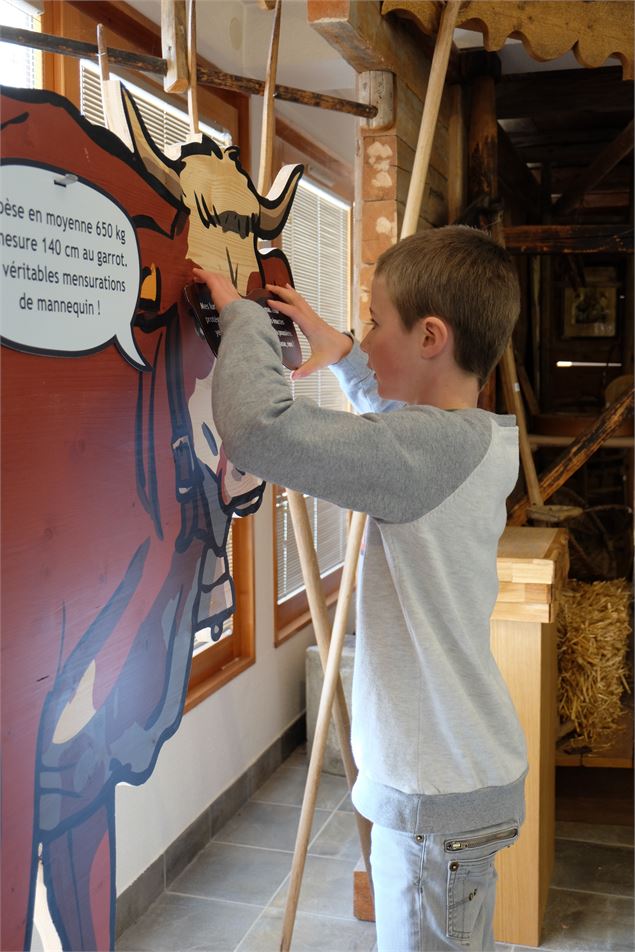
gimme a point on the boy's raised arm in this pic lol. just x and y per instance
(374, 463)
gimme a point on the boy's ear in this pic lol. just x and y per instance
(435, 335)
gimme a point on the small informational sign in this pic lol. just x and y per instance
(70, 265)
(206, 318)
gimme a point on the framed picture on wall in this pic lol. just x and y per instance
(591, 311)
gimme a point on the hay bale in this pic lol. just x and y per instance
(593, 640)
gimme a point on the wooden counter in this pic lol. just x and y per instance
(532, 568)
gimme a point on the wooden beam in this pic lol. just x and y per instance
(515, 176)
(569, 239)
(368, 41)
(174, 45)
(552, 93)
(599, 168)
(206, 75)
(577, 454)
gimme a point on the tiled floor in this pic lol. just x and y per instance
(231, 897)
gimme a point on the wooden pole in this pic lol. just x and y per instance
(434, 92)
(315, 594)
(192, 95)
(174, 45)
(331, 685)
(268, 129)
(207, 75)
(102, 56)
(577, 454)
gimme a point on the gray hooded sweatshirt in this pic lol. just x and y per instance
(435, 736)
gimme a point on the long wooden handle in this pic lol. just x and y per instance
(434, 92)
(331, 681)
(192, 95)
(319, 613)
(268, 117)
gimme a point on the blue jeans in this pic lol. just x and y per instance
(436, 892)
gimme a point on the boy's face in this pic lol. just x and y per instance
(393, 351)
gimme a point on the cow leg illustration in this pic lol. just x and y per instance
(83, 858)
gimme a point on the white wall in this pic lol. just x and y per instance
(219, 738)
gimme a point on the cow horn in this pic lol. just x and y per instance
(275, 208)
(153, 160)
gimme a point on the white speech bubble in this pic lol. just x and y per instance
(70, 265)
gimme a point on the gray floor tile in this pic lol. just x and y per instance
(595, 833)
(593, 868)
(583, 922)
(288, 783)
(339, 838)
(236, 873)
(327, 888)
(269, 825)
(310, 934)
(182, 924)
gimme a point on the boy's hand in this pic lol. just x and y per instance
(328, 345)
(220, 287)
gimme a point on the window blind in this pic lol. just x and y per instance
(166, 124)
(316, 240)
(17, 63)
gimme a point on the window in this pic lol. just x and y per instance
(316, 240)
(19, 65)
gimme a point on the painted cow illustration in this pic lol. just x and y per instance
(117, 500)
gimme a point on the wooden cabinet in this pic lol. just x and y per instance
(532, 568)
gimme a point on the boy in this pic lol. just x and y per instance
(438, 746)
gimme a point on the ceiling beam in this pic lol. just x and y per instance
(569, 239)
(368, 41)
(608, 158)
(558, 92)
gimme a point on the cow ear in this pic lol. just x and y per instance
(153, 160)
(275, 208)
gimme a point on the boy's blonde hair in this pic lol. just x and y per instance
(463, 276)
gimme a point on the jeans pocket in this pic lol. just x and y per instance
(471, 875)
(469, 881)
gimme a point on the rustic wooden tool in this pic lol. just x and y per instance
(330, 657)
(268, 128)
(102, 56)
(356, 530)
(192, 95)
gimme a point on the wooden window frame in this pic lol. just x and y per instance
(126, 28)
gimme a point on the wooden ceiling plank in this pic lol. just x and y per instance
(608, 158)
